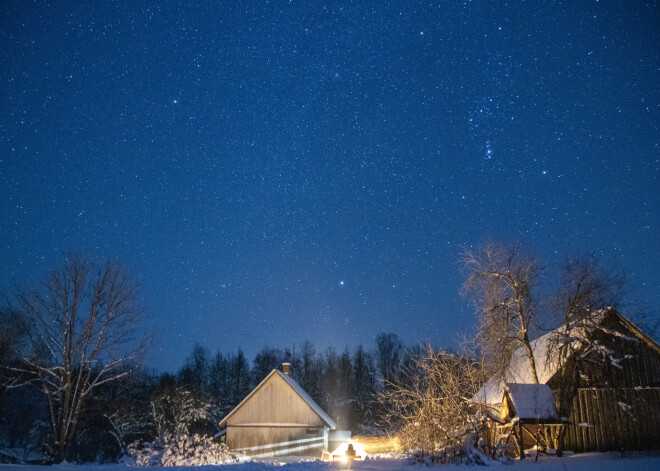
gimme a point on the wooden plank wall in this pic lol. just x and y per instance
(614, 419)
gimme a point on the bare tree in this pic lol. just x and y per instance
(587, 287)
(127, 423)
(502, 279)
(586, 291)
(429, 403)
(80, 323)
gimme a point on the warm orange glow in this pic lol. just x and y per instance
(372, 445)
(340, 452)
(504, 412)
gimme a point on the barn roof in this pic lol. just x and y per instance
(297, 388)
(547, 365)
(531, 401)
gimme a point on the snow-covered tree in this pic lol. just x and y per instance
(181, 450)
(175, 412)
(80, 324)
(174, 417)
(502, 279)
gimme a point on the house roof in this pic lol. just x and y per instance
(519, 370)
(297, 388)
(531, 401)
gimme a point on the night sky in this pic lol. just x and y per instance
(286, 170)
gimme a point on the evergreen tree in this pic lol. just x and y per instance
(264, 362)
(239, 377)
(194, 376)
(364, 377)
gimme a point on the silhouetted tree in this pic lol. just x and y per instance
(311, 371)
(194, 375)
(265, 361)
(239, 377)
(388, 351)
(364, 376)
(80, 323)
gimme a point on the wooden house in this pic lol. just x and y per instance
(607, 388)
(278, 418)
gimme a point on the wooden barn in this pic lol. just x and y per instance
(278, 418)
(607, 391)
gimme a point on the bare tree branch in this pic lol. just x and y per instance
(501, 280)
(79, 326)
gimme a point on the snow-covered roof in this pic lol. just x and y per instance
(531, 401)
(547, 364)
(297, 388)
(520, 371)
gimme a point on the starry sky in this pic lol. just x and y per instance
(275, 171)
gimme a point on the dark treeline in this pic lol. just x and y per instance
(342, 383)
(146, 404)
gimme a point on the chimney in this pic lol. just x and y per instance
(286, 367)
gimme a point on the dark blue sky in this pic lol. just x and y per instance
(286, 170)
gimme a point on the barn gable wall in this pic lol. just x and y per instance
(275, 402)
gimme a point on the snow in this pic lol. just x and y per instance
(569, 462)
(519, 370)
(21, 455)
(181, 450)
(625, 407)
(532, 401)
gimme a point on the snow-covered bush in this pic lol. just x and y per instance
(174, 416)
(176, 412)
(181, 450)
(429, 406)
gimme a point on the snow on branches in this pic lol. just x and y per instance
(181, 450)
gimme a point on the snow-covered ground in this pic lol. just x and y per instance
(579, 462)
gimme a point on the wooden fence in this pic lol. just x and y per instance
(614, 419)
